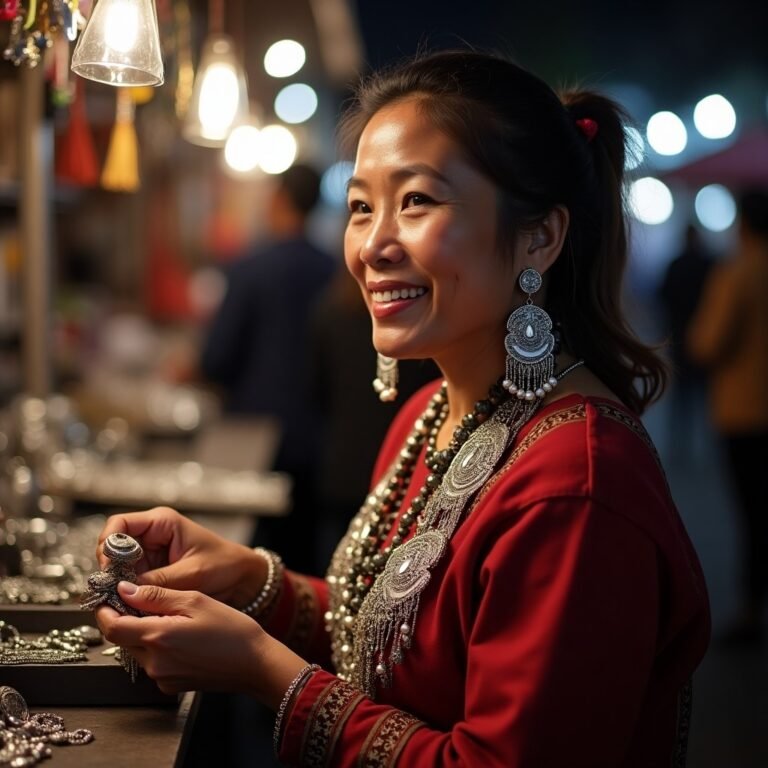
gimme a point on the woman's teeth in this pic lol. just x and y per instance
(402, 293)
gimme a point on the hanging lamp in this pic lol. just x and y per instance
(120, 44)
(219, 96)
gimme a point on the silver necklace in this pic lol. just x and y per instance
(384, 627)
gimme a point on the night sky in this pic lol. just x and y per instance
(675, 50)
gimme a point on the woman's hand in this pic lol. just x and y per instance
(181, 554)
(192, 642)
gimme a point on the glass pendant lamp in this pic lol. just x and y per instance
(120, 44)
(219, 96)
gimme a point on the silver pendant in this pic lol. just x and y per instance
(408, 570)
(476, 460)
(529, 339)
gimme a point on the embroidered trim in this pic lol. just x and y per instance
(387, 739)
(305, 617)
(547, 424)
(684, 707)
(325, 723)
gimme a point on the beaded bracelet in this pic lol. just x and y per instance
(272, 585)
(294, 688)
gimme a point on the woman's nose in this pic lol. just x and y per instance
(381, 243)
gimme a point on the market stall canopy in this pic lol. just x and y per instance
(742, 164)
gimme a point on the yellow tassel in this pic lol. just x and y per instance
(121, 170)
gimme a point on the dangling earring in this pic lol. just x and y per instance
(529, 345)
(385, 383)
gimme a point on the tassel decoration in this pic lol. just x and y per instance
(121, 169)
(76, 161)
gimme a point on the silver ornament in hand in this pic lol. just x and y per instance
(123, 552)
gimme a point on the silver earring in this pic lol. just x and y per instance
(529, 344)
(385, 383)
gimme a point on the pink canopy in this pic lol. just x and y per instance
(742, 164)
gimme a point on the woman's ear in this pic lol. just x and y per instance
(544, 242)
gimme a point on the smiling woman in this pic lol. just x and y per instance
(518, 568)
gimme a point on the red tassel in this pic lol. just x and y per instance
(76, 161)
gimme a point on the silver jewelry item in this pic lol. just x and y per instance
(272, 585)
(57, 647)
(529, 345)
(385, 383)
(384, 626)
(123, 552)
(25, 738)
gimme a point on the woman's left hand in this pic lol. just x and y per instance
(191, 642)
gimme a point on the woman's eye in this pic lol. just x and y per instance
(358, 206)
(413, 199)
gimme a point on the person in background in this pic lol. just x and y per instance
(258, 349)
(729, 335)
(518, 588)
(679, 294)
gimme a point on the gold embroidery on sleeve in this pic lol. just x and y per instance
(326, 721)
(387, 739)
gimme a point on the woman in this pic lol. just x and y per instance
(518, 589)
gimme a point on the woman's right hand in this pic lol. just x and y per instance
(181, 554)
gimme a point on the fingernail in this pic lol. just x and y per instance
(127, 587)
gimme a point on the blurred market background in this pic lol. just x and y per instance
(119, 208)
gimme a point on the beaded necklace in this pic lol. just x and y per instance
(382, 506)
(375, 590)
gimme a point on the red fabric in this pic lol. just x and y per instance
(563, 621)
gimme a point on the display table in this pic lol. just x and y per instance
(128, 737)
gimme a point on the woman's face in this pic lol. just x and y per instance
(421, 242)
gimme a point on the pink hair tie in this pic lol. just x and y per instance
(588, 127)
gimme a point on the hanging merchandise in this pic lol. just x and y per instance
(76, 161)
(121, 169)
(34, 29)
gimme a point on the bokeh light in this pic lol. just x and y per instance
(666, 133)
(277, 149)
(243, 148)
(715, 207)
(284, 58)
(714, 117)
(650, 200)
(296, 103)
(333, 185)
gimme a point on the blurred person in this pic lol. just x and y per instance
(729, 335)
(679, 293)
(257, 349)
(518, 569)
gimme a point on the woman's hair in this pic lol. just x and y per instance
(524, 137)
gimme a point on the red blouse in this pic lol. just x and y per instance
(561, 628)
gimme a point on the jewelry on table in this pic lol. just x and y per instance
(25, 737)
(375, 591)
(123, 552)
(56, 647)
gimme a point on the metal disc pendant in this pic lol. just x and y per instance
(529, 339)
(407, 570)
(476, 460)
(12, 703)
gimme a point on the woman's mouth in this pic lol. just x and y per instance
(381, 297)
(390, 301)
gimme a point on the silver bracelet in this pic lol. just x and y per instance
(272, 585)
(296, 685)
